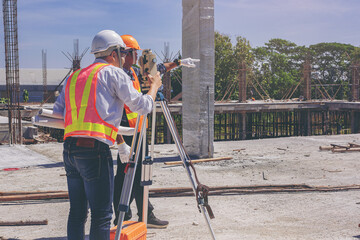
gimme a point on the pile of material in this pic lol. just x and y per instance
(350, 147)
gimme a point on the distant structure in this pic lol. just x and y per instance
(167, 77)
(12, 70)
(44, 72)
(75, 58)
(198, 83)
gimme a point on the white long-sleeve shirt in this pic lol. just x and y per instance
(114, 88)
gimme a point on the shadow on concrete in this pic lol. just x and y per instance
(156, 160)
(55, 238)
(58, 238)
(166, 159)
(358, 236)
(51, 165)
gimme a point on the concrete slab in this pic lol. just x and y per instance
(19, 156)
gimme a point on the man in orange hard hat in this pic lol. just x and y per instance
(129, 120)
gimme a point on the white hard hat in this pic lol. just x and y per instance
(105, 42)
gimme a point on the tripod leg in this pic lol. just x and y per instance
(146, 171)
(130, 175)
(186, 161)
(146, 188)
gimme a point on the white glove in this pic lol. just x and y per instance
(189, 62)
(124, 152)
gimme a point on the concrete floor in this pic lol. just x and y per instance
(294, 160)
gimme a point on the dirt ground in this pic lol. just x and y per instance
(294, 160)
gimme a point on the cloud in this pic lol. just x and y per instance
(291, 6)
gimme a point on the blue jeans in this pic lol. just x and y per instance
(90, 176)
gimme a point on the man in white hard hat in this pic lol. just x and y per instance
(92, 102)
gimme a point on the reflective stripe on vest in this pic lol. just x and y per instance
(131, 116)
(81, 117)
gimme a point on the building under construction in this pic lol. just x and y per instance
(215, 120)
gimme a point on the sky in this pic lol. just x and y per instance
(53, 25)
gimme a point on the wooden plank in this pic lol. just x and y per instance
(346, 150)
(28, 192)
(23, 223)
(35, 196)
(199, 160)
(325, 148)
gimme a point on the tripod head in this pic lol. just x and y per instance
(160, 96)
(147, 62)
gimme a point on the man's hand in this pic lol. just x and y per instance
(189, 62)
(155, 81)
(124, 152)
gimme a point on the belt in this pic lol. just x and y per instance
(85, 142)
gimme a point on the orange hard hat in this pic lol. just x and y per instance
(130, 42)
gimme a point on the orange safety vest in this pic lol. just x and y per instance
(81, 116)
(131, 116)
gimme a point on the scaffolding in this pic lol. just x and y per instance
(12, 70)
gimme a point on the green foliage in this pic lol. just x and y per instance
(331, 65)
(276, 69)
(227, 60)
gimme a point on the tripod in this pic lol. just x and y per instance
(200, 190)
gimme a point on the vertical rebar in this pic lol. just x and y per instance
(44, 72)
(12, 70)
(355, 81)
(307, 79)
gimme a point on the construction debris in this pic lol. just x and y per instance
(187, 191)
(239, 150)
(226, 190)
(350, 147)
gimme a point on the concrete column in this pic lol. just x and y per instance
(243, 126)
(242, 82)
(198, 83)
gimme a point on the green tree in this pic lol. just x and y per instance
(225, 65)
(331, 68)
(227, 60)
(277, 67)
